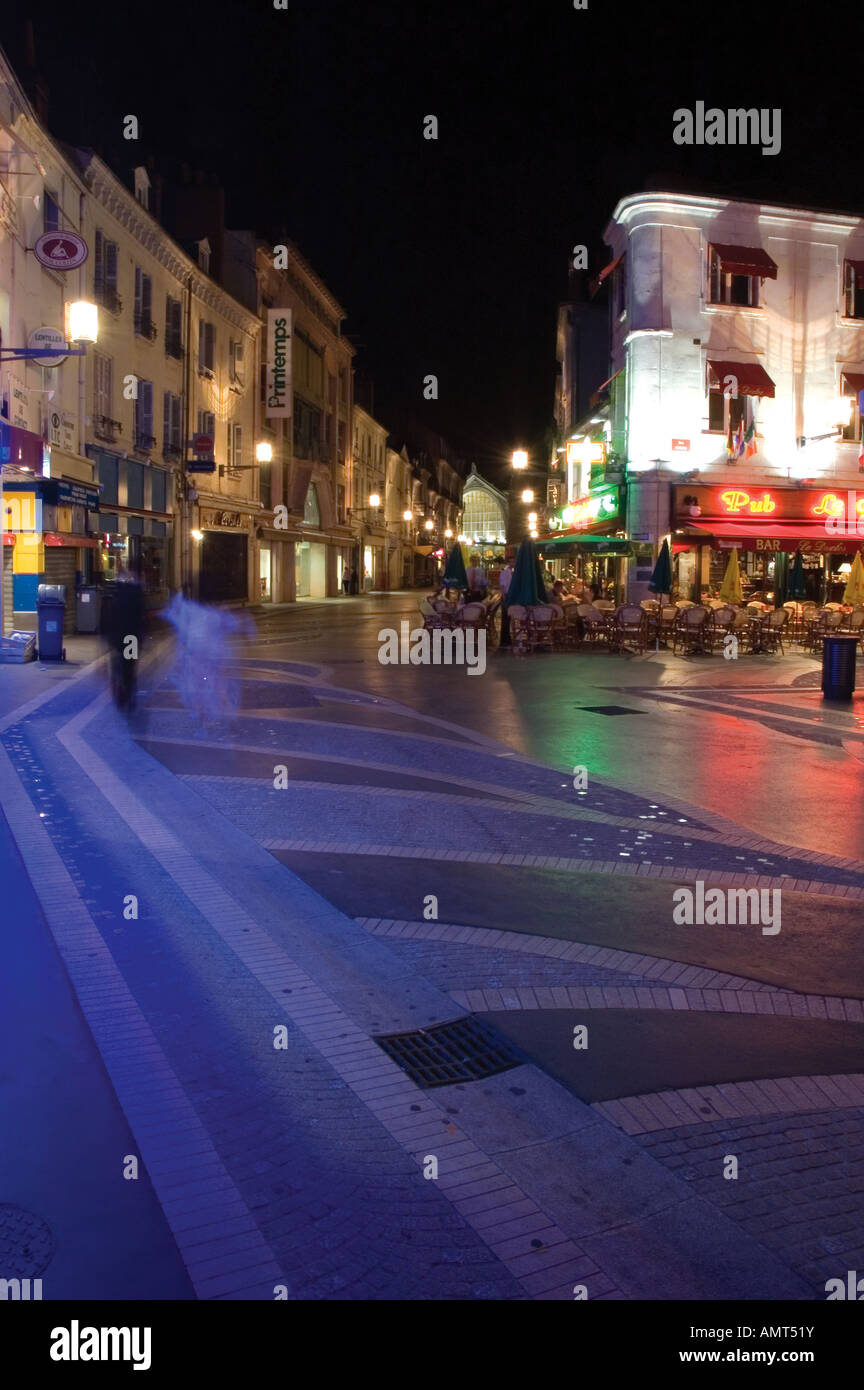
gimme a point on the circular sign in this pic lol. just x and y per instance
(61, 250)
(49, 338)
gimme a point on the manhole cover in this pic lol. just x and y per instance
(26, 1243)
(607, 709)
(466, 1050)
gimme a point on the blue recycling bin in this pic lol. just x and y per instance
(50, 608)
(838, 666)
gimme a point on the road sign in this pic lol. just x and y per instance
(61, 250)
(202, 444)
(201, 465)
(43, 338)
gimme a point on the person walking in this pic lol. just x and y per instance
(347, 579)
(124, 632)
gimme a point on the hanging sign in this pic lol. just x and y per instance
(61, 250)
(277, 399)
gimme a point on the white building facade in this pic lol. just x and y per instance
(737, 335)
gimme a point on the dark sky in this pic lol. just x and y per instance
(451, 257)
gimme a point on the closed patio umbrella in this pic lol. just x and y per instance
(854, 591)
(455, 575)
(797, 587)
(526, 586)
(781, 578)
(730, 589)
(661, 580)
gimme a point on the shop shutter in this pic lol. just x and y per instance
(60, 569)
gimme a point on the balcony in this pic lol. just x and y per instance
(206, 372)
(145, 327)
(106, 429)
(108, 298)
(144, 443)
(172, 453)
(173, 348)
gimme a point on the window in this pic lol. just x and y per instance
(340, 503)
(235, 362)
(171, 426)
(142, 186)
(619, 288)
(206, 423)
(143, 312)
(158, 490)
(725, 412)
(311, 508)
(727, 287)
(134, 484)
(331, 387)
(341, 440)
(173, 327)
(108, 479)
(851, 389)
(203, 250)
(103, 397)
(142, 416)
(853, 289)
(105, 273)
(265, 485)
(343, 387)
(307, 430)
(51, 213)
(235, 448)
(206, 347)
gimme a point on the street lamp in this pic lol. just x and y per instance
(448, 535)
(407, 516)
(264, 451)
(430, 525)
(82, 322)
(374, 499)
(528, 495)
(520, 458)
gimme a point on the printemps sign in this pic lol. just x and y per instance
(599, 509)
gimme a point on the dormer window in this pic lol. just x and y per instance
(203, 249)
(142, 187)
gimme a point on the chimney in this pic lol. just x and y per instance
(32, 80)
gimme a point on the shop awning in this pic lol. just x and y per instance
(54, 538)
(781, 536)
(425, 549)
(594, 398)
(608, 269)
(745, 260)
(854, 381)
(752, 378)
(590, 545)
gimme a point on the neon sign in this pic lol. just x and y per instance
(600, 506)
(585, 453)
(736, 501)
(830, 504)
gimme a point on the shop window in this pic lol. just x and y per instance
(159, 490)
(725, 287)
(311, 508)
(108, 479)
(134, 484)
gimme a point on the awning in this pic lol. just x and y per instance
(752, 378)
(594, 398)
(781, 536)
(589, 545)
(608, 269)
(858, 267)
(9, 537)
(745, 260)
(55, 538)
(854, 380)
(425, 549)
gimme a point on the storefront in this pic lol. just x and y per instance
(310, 562)
(766, 525)
(222, 555)
(52, 522)
(587, 542)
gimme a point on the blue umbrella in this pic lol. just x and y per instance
(455, 575)
(661, 580)
(526, 586)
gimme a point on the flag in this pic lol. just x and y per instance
(739, 439)
(750, 446)
(730, 442)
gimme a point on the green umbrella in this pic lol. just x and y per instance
(455, 576)
(797, 586)
(526, 586)
(781, 578)
(661, 580)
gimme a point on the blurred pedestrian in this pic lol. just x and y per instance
(347, 577)
(123, 630)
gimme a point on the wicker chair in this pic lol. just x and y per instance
(630, 628)
(542, 617)
(771, 630)
(471, 615)
(827, 621)
(596, 628)
(720, 623)
(689, 631)
(520, 628)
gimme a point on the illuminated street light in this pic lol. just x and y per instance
(407, 516)
(528, 495)
(264, 451)
(197, 535)
(374, 499)
(82, 322)
(520, 459)
(449, 535)
(430, 525)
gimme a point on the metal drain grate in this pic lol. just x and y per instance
(606, 709)
(466, 1050)
(26, 1243)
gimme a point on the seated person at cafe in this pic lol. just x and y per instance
(558, 592)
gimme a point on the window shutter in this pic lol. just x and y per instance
(202, 343)
(177, 424)
(111, 265)
(146, 297)
(210, 338)
(238, 445)
(99, 263)
(146, 396)
(139, 281)
(167, 421)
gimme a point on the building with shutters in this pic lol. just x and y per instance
(49, 496)
(172, 401)
(369, 518)
(737, 351)
(304, 536)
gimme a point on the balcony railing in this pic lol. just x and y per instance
(172, 453)
(144, 442)
(108, 298)
(145, 327)
(106, 429)
(173, 347)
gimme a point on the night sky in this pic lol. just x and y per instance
(451, 257)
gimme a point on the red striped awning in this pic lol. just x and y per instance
(745, 260)
(783, 536)
(752, 378)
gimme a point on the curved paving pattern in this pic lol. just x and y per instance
(343, 1213)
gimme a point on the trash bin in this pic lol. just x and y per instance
(838, 667)
(50, 607)
(88, 608)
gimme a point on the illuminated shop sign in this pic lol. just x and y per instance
(793, 504)
(601, 507)
(590, 453)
